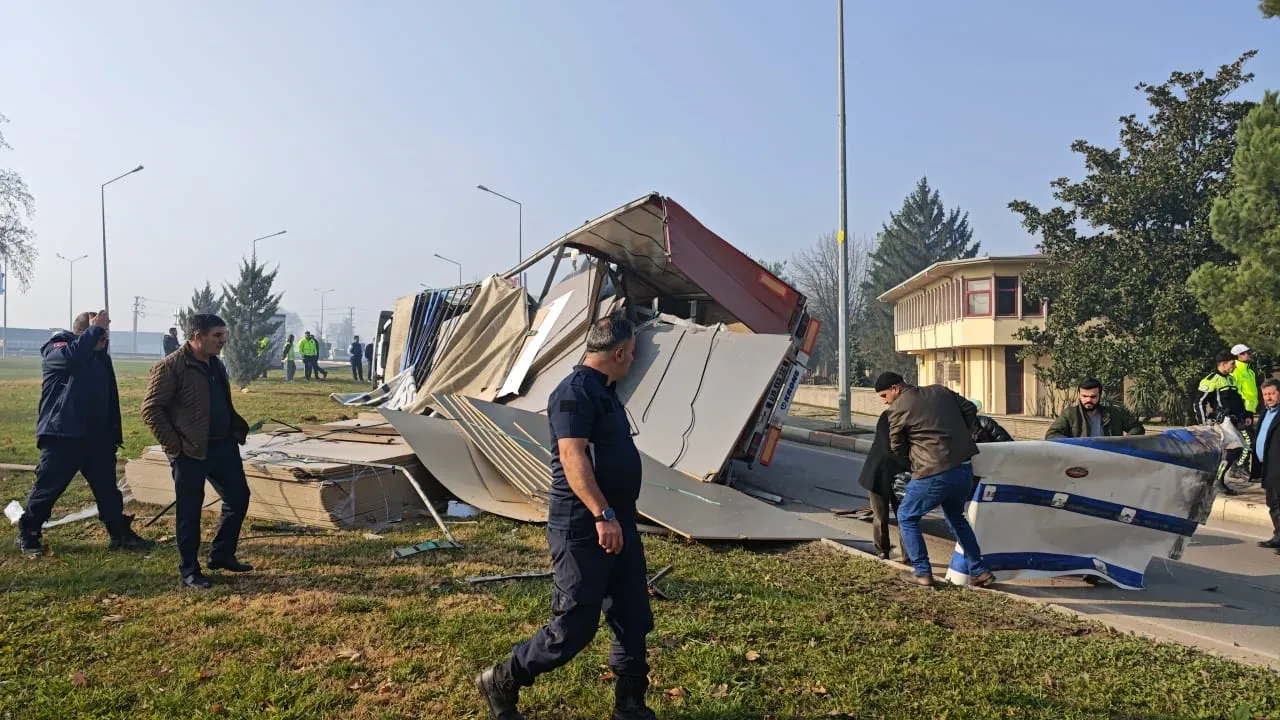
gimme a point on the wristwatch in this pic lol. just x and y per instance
(607, 515)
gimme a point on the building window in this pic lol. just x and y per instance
(1007, 297)
(1031, 306)
(977, 297)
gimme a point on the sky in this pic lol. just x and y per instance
(362, 129)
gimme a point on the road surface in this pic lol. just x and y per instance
(1223, 596)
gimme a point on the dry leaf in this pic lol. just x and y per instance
(813, 642)
(677, 692)
(752, 656)
(606, 676)
(79, 679)
(204, 675)
(371, 536)
(385, 687)
(670, 642)
(349, 654)
(215, 709)
(818, 690)
(357, 684)
(1046, 680)
(162, 672)
(722, 690)
(823, 617)
(113, 619)
(1205, 674)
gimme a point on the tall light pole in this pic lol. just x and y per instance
(102, 196)
(455, 262)
(843, 331)
(264, 237)
(71, 286)
(322, 294)
(520, 227)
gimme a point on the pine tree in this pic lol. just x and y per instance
(922, 233)
(203, 301)
(1242, 298)
(248, 308)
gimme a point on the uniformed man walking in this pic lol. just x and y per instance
(596, 555)
(78, 430)
(188, 408)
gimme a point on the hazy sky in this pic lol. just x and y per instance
(363, 128)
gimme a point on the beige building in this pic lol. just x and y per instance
(959, 320)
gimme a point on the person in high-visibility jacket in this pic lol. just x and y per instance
(1220, 399)
(1248, 384)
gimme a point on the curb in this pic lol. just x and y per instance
(1225, 509)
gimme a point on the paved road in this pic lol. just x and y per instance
(1223, 596)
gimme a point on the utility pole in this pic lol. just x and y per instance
(139, 305)
(4, 279)
(322, 294)
(843, 248)
(351, 322)
(71, 285)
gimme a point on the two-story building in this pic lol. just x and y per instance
(959, 320)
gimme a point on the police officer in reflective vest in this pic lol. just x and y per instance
(1220, 399)
(596, 555)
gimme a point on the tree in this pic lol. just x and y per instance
(248, 308)
(203, 301)
(17, 240)
(1269, 8)
(815, 272)
(1242, 297)
(1127, 237)
(777, 267)
(922, 233)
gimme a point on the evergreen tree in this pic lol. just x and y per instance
(1242, 298)
(248, 308)
(1125, 239)
(203, 301)
(922, 233)
(1269, 8)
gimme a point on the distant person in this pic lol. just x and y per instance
(171, 343)
(1092, 416)
(355, 354)
(1220, 400)
(368, 361)
(933, 427)
(78, 430)
(309, 349)
(1247, 383)
(264, 348)
(188, 408)
(1267, 450)
(289, 355)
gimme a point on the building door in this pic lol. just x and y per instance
(1012, 382)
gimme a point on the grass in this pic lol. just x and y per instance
(330, 626)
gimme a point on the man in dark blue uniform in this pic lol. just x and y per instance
(78, 430)
(596, 555)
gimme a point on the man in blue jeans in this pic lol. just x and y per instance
(933, 427)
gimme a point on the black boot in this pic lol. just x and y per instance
(1224, 490)
(500, 691)
(29, 537)
(628, 702)
(1273, 543)
(124, 538)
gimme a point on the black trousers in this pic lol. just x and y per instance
(882, 499)
(1273, 507)
(60, 460)
(224, 469)
(588, 580)
(357, 373)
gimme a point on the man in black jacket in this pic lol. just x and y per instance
(1266, 450)
(78, 430)
(878, 472)
(355, 354)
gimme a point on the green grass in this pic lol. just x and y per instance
(330, 626)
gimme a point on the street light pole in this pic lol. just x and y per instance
(455, 262)
(519, 227)
(264, 237)
(322, 294)
(102, 197)
(843, 248)
(71, 286)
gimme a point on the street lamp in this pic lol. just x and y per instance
(520, 227)
(842, 332)
(71, 285)
(264, 237)
(102, 196)
(322, 294)
(455, 262)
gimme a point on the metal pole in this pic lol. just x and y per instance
(519, 227)
(4, 290)
(843, 248)
(71, 286)
(102, 198)
(455, 262)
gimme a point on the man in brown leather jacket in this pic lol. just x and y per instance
(188, 408)
(933, 427)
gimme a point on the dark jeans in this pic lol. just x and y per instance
(224, 469)
(357, 373)
(1273, 507)
(950, 490)
(310, 364)
(588, 580)
(60, 460)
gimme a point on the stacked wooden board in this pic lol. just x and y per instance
(329, 476)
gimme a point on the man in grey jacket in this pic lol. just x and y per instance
(933, 427)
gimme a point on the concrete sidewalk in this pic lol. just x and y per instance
(1247, 508)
